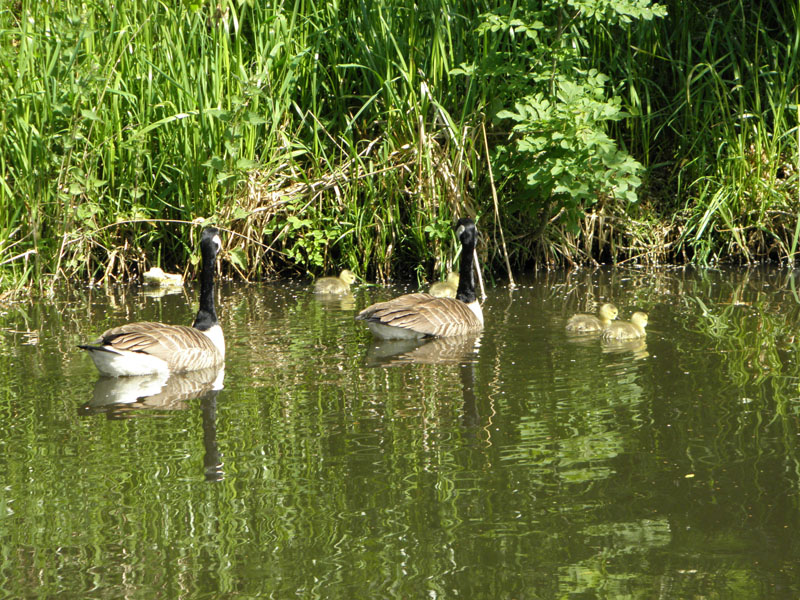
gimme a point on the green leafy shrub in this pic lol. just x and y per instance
(561, 160)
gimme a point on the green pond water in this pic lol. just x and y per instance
(526, 463)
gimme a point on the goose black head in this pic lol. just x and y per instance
(210, 241)
(466, 232)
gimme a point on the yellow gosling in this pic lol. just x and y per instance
(335, 285)
(623, 330)
(447, 288)
(584, 323)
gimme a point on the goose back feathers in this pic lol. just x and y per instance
(423, 315)
(145, 348)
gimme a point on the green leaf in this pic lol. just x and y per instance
(223, 176)
(507, 114)
(240, 213)
(218, 113)
(87, 210)
(463, 69)
(215, 162)
(238, 258)
(160, 122)
(89, 114)
(254, 118)
(246, 164)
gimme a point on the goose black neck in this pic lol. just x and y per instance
(206, 314)
(466, 272)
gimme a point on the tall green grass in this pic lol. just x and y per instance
(714, 94)
(348, 134)
(119, 115)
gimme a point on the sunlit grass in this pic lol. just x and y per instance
(731, 128)
(337, 135)
(131, 114)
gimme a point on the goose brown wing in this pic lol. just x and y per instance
(181, 347)
(425, 314)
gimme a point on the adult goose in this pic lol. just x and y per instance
(335, 285)
(584, 323)
(622, 330)
(146, 348)
(423, 315)
(447, 288)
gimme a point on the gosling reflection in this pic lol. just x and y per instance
(430, 351)
(637, 347)
(126, 397)
(160, 292)
(336, 302)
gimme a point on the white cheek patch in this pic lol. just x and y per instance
(476, 309)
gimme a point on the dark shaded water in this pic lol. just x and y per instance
(524, 464)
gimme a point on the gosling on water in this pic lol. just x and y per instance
(623, 330)
(585, 323)
(335, 285)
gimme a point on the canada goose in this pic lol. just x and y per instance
(146, 348)
(622, 330)
(422, 315)
(335, 285)
(584, 323)
(157, 277)
(447, 288)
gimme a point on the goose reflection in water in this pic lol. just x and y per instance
(453, 352)
(427, 351)
(125, 397)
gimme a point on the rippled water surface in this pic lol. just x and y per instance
(321, 464)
